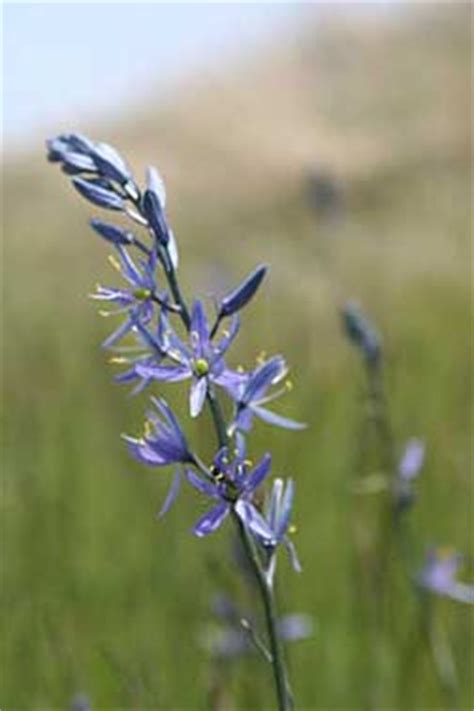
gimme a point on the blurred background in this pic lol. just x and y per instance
(331, 141)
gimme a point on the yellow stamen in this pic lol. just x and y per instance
(114, 262)
(292, 528)
(118, 359)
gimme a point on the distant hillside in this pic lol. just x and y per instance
(382, 108)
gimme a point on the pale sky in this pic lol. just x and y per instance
(62, 61)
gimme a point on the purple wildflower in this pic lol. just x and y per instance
(201, 360)
(232, 487)
(137, 300)
(163, 442)
(409, 468)
(439, 572)
(278, 509)
(251, 394)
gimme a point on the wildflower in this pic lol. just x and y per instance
(409, 468)
(137, 301)
(163, 442)
(439, 572)
(232, 487)
(201, 361)
(250, 395)
(277, 512)
(362, 333)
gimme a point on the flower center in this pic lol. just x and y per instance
(142, 294)
(201, 367)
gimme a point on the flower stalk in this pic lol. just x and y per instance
(159, 353)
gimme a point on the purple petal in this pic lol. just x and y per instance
(166, 373)
(253, 520)
(211, 520)
(143, 452)
(258, 474)
(412, 459)
(197, 396)
(285, 509)
(172, 494)
(118, 334)
(273, 419)
(231, 381)
(204, 487)
(226, 340)
(199, 330)
(265, 375)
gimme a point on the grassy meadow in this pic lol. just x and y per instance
(99, 597)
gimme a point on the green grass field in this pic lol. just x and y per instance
(102, 599)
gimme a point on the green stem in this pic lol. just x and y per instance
(282, 686)
(283, 692)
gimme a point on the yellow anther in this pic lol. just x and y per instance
(118, 359)
(248, 463)
(292, 528)
(104, 313)
(289, 385)
(114, 262)
(226, 333)
(240, 369)
(148, 428)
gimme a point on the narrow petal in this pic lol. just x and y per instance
(197, 396)
(165, 373)
(285, 509)
(118, 334)
(258, 474)
(211, 520)
(293, 556)
(228, 336)
(273, 419)
(204, 487)
(253, 520)
(143, 453)
(265, 375)
(199, 330)
(172, 494)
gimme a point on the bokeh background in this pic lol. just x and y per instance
(333, 142)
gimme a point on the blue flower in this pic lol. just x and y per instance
(438, 575)
(137, 301)
(409, 468)
(277, 512)
(201, 360)
(163, 442)
(251, 394)
(232, 487)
